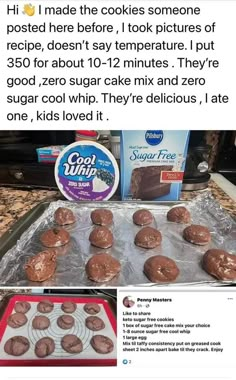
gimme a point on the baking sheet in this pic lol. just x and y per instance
(71, 258)
(79, 329)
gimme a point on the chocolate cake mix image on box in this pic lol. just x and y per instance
(152, 164)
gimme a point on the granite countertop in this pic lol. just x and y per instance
(14, 203)
(5, 292)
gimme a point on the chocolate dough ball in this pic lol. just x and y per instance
(102, 267)
(92, 308)
(41, 267)
(101, 237)
(44, 347)
(17, 320)
(45, 306)
(68, 307)
(179, 215)
(94, 323)
(65, 322)
(148, 238)
(40, 322)
(22, 307)
(161, 269)
(72, 344)
(102, 344)
(197, 234)
(142, 217)
(63, 216)
(220, 264)
(56, 237)
(17, 346)
(102, 217)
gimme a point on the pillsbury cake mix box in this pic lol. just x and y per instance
(152, 164)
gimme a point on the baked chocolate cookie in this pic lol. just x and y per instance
(44, 347)
(41, 266)
(102, 344)
(220, 264)
(179, 214)
(92, 308)
(101, 237)
(197, 234)
(65, 322)
(102, 217)
(161, 269)
(17, 320)
(148, 238)
(72, 344)
(56, 237)
(102, 267)
(22, 307)
(45, 306)
(68, 307)
(40, 322)
(94, 323)
(64, 216)
(142, 217)
(17, 346)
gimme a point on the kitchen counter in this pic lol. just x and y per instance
(5, 292)
(14, 203)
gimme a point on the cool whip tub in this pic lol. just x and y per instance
(152, 164)
(86, 170)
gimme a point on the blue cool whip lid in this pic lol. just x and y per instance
(86, 170)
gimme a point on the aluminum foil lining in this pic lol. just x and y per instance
(71, 258)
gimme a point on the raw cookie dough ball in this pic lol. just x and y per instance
(44, 347)
(56, 237)
(22, 307)
(148, 238)
(179, 215)
(102, 344)
(102, 267)
(94, 323)
(161, 269)
(101, 237)
(17, 346)
(92, 308)
(197, 234)
(41, 267)
(142, 217)
(102, 217)
(68, 307)
(40, 322)
(63, 216)
(65, 322)
(45, 306)
(220, 264)
(72, 344)
(17, 320)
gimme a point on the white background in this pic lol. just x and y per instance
(152, 116)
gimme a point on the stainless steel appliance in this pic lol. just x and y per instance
(18, 158)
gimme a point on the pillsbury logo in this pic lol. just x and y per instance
(154, 137)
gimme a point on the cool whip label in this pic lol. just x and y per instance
(86, 171)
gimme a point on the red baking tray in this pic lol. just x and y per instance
(62, 361)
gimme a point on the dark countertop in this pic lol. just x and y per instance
(14, 203)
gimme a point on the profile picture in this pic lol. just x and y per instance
(128, 301)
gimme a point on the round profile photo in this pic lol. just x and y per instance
(128, 301)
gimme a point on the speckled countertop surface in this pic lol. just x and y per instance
(14, 203)
(5, 292)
